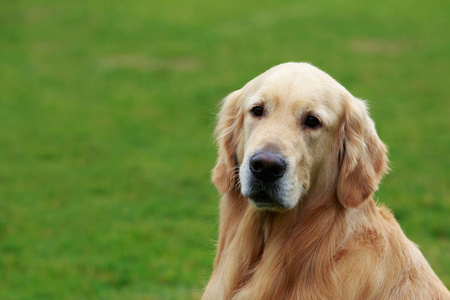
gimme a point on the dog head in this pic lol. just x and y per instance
(294, 131)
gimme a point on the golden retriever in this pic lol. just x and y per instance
(299, 160)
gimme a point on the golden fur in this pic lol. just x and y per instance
(335, 243)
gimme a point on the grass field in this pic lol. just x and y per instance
(106, 116)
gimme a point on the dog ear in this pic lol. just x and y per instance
(228, 131)
(363, 159)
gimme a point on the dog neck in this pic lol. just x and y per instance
(299, 243)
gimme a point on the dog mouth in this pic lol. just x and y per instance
(263, 200)
(263, 195)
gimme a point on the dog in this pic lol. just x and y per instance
(298, 162)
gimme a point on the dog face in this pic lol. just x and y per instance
(294, 131)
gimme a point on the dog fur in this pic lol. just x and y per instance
(326, 238)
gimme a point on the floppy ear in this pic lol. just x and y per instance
(363, 159)
(228, 131)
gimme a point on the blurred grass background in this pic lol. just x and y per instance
(106, 116)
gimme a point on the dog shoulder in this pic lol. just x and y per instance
(379, 261)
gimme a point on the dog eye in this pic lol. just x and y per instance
(312, 122)
(257, 111)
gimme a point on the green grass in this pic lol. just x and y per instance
(106, 116)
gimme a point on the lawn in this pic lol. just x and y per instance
(107, 110)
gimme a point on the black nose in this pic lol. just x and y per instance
(267, 166)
